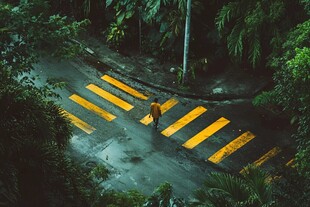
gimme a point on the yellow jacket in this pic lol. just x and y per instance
(155, 110)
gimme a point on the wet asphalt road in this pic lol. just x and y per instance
(139, 156)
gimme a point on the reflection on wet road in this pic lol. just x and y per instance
(191, 143)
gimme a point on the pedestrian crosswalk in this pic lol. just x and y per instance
(290, 163)
(79, 123)
(124, 87)
(110, 97)
(190, 142)
(206, 133)
(92, 107)
(231, 147)
(270, 154)
(173, 128)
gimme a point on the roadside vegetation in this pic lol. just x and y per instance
(265, 36)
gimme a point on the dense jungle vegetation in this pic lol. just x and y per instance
(260, 35)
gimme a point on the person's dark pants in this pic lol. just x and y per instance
(156, 122)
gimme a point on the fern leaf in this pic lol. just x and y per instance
(255, 50)
(235, 40)
(225, 15)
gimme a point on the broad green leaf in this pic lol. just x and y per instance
(120, 18)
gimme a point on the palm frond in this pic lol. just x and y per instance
(255, 50)
(227, 185)
(224, 16)
(235, 40)
(181, 4)
(61, 124)
(257, 181)
(201, 197)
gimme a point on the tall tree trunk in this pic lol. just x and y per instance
(186, 41)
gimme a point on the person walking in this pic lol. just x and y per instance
(155, 112)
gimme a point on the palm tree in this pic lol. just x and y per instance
(163, 197)
(251, 189)
(248, 25)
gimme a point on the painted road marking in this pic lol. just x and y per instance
(205, 133)
(290, 163)
(173, 128)
(278, 177)
(124, 87)
(92, 107)
(272, 153)
(79, 123)
(231, 147)
(110, 97)
(164, 108)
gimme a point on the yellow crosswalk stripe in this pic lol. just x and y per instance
(124, 87)
(205, 133)
(109, 97)
(270, 154)
(273, 152)
(290, 163)
(164, 108)
(79, 123)
(92, 107)
(231, 147)
(184, 121)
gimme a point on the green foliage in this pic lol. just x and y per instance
(26, 104)
(196, 65)
(251, 189)
(162, 21)
(268, 100)
(20, 49)
(34, 133)
(116, 34)
(290, 59)
(245, 24)
(263, 98)
(179, 74)
(291, 93)
(200, 64)
(162, 197)
(121, 199)
(297, 37)
(306, 4)
(292, 190)
(293, 82)
(292, 73)
(292, 88)
(100, 172)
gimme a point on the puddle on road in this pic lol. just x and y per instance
(118, 156)
(79, 145)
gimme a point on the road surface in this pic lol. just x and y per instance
(109, 113)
